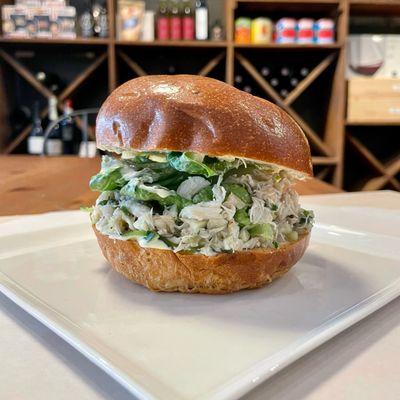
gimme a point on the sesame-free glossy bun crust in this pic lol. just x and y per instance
(166, 271)
(203, 115)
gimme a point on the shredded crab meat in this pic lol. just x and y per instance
(193, 206)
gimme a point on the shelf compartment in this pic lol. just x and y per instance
(34, 41)
(288, 46)
(323, 7)
(173, 43)
(374, 8)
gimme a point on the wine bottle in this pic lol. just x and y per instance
(201, 20)
(187, 21)
(175, 21)
(69, 132)
(265, 72)
(36, 136)
(100, 19)
(286, 74)
(247, 89)
(86, 22)
(163, 21)
(274, 82)
(294, 82)
(304, 71)
(283, 92)
(50, 81)
(171, 69)
(239, 79)
(54, 141)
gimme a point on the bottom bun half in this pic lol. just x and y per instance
(164, 270)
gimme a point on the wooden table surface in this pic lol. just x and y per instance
(32, 185)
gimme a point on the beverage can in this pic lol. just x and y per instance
(285, 30)
(324, 31)
(243, 30)
(261, 30)
(305, 30)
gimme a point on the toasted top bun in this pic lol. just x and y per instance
(202, 115)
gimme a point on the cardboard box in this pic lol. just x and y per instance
(373, 100)
(14, 20)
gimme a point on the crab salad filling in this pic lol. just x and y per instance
(193, 203)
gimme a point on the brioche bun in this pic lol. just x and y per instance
(166, 271)
(203, 115)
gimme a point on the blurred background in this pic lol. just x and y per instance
(333, 65)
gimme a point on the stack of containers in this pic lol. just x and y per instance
(286, 30)
(35, 18)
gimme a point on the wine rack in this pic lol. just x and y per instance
(317, 102)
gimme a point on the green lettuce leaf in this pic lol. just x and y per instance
(205, 194)
(141, 194)
(239, 191)
(185, 162)
(107, 180)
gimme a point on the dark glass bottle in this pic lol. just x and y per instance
(54, 141)
(86, 22)
(36, 136)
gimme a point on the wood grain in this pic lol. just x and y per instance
(32, 185)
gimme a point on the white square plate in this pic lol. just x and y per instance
(174, 346)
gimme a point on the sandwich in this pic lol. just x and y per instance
(196, 188)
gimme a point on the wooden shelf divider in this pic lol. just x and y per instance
(211, 64)
(133, 65)
(309, 79)
(74, 85)
(25, 73)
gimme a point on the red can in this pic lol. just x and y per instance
(305, 30)
(285, 30)
(324, 31)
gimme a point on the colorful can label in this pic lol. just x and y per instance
(324, 31)
(305, 30)
(261, 30)
(243, 30)
(163, 28)
(188, 28)
(176, 28)
(285, 30)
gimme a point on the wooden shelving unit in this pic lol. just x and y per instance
(125, 60)
(385, 171)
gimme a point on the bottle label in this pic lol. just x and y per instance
(163, 28)
(176, 28)
(54, 147)
(35, 144)
(188, 28)
(202, 23)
